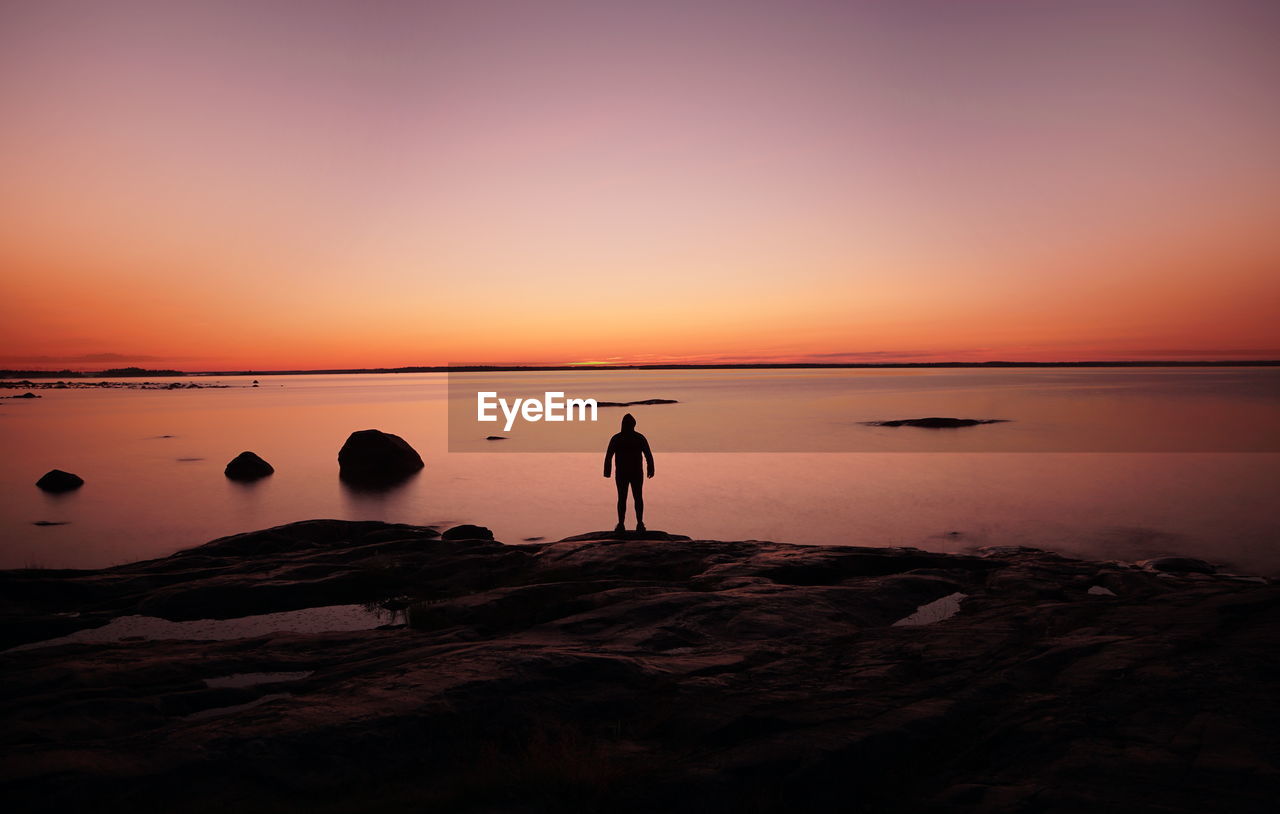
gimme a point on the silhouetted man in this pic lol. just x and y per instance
(624, 452)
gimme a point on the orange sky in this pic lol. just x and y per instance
(320, 185)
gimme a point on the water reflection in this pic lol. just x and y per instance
(375, 485)
(138, 502)
(376, 499)
(329, 618)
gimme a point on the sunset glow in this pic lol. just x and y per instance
(302, 185)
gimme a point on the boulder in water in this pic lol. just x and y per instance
(248, 466)
(55, 480)
(467, 532)
(373, 455)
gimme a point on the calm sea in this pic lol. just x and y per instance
(1109, 463)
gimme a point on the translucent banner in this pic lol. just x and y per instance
(1185, 409)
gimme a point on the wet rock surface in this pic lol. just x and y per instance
(603, 673)
(625, 535)
(1178, 565)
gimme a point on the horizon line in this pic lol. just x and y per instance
(130, 371)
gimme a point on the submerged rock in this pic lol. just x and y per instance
(55, 480)
(248, 466)
(467, 532)
(937, 422)
(374, 456)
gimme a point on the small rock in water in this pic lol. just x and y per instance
(468, 532)
(495, 438)
(937, 422)
(1098, 590)
(644, 403)
(55, 480)
(248, 466)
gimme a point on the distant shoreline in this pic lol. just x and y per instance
(137, 372)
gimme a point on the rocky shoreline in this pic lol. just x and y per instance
(611, 672)
(72, 384)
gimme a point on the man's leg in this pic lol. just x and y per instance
(622, 500)
(637, 492)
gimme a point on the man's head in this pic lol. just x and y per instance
(628, 422)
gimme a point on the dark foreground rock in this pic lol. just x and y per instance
(626, 535)
(1178, 565)
(937, 422)
(643, 675)
(247, 466)
(55, 480)
(373, 457)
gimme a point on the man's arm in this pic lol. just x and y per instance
(608, 457)
(648, 456)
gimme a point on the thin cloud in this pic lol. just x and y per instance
(86, 357)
